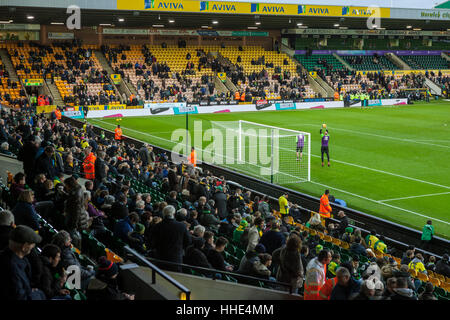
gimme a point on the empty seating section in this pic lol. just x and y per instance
(426, 62)
(250, 53)
(320, 61)
(369, 62)
(173, 56)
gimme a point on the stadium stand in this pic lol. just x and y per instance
(98, 227)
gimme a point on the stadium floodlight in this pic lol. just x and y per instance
(104, 24)
(417, 29)
(30, 17)
(57, 23)
(257, 23)
(171, 21)
(6, 21)
(264, 152)
(299, 24)
(215, 22)
(336, 24)
(205, 27)
(121, 19)
(408, 27)
(158, 26)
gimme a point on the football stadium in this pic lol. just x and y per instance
(224, 150)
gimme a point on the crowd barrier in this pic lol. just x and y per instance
(153, 109)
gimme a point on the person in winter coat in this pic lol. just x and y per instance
(220, 202)
(402, 292)
(194, 255)
(264, 208)
(68, 258)
(53, 278)
(346, 287)
(104, 286)
(46, 163)
(252, 265)
(443, 266)
(6, 226)
(273, 239)
(428, 293)
(255, 233)
(290, 268)
(24, 212)
(74, 210)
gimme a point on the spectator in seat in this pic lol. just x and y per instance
(53, 278)
(357, 248)
(104, 286)
(68, 258)
(255, 233)
(402, 292)
(215, 256)
(346, 287)
(6, 226)
(428, 293)
(125, 227)
(15, 269)
(194, 254)
(273, 239)
(169, 238)
(24, 211)
(119, 209)
(263, 207)
(443, 266)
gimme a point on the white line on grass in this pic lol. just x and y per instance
(381, 136)
(327, 186)
(379, 202)
(419, 196)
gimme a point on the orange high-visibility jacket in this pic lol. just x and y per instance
(325, 208)
(243, 96)
(89, 166)
(58, 114)
(314, 279)
(193, 158)
(237, 96)
(336, 96)
(327, 288)
(118, 134)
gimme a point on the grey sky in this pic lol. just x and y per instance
(421, 4)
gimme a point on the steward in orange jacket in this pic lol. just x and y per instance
(118, 133)
(193, 157)
(237, 96)
(327, 288)
(58, 114)
(325, 208)
(89, 164)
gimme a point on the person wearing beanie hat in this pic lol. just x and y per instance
(15, 269)
(104, 286)
(237, 233)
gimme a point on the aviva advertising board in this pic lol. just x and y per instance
(232, 7)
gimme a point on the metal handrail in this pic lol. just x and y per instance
(156, 270)
(214, 272)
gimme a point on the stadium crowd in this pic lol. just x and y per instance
(80, 181)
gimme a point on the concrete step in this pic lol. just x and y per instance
(57, 99)
(8, 64)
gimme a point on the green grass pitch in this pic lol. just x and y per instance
(392, 162)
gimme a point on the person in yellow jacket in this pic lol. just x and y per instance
(284, 205)
(417, 264)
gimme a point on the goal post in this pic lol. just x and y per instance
(274, 154)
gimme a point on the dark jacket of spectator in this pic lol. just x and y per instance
(272, 240)
(119, 210)
(24, 213)
(216, 260)
(4, 236)
(168, 239)
(15, 277)
(195, 256)
(220, 199)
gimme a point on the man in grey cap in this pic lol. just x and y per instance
(15, 269)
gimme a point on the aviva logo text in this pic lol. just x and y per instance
(255, 7)
(150, 4)
(204, 5)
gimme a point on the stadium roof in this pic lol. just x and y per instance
(136, 19)
(443, 5)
